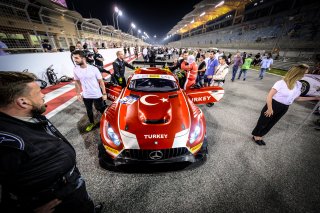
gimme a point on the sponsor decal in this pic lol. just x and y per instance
(113, 151)
(140, 76)
(111, 96)
(156, 136)
(145, 102)
(11, 140)
(199, 99)
(196, 148)
(128, 99)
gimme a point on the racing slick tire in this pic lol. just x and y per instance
(305, 87)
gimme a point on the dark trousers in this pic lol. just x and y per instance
(234, 71)
(98, 104)
(72, 192)
(78, 201)
(266, 123)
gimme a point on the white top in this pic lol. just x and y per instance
(221, 72)
(265, 63)
(89, 81)
(144, 51)
(284, 95)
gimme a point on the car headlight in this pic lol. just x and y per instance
(195, 134)
(113, 136)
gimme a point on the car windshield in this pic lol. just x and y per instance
(153, 85)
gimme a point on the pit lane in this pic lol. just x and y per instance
(238, 176)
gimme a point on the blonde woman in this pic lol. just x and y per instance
(280, 97)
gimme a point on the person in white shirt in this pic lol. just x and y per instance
(221, 72)
(89, 79)
(145, 54)
(281, 96)
(265, 64)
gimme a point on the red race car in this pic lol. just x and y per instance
(153, 120)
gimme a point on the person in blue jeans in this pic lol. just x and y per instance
(237, 62)
(265, 64)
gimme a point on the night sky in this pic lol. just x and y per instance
(154, 20)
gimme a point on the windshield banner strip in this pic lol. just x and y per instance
(141, 76)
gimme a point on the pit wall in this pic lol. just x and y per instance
(37, 63)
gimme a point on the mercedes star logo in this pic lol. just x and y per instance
(156, 155)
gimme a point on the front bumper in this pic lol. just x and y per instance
(173, 155)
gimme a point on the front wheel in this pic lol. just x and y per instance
(305, 87)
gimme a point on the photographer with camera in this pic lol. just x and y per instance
(98, 58)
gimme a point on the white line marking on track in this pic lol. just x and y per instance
(56, 93)
(61, 107)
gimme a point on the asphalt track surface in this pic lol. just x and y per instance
(238, 176)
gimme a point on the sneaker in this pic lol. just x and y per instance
(244, 79)
(90, 127)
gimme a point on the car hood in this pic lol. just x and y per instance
(154, 119)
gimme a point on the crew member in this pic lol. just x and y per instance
(191, 69)
(38, 169)
(119, 68)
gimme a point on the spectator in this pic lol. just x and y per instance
(222, 70)
(257, 59)
(201, 71)
(46, 46)
(78, 46)
(265, 64)
(211, 68)
(281, 96)
(237, 62)
(89, 80)
(145, 54)
(245, 67)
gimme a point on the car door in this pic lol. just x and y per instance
(205, 95)
(113, 91)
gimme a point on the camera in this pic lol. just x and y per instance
(89, 56)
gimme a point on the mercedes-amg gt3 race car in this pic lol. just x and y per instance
(153, 120)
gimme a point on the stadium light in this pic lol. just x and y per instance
(133, 25)
(139, 31)
(117, 18)
(218, 5)
(202, 14)
(116, 9)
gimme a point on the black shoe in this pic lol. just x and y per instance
(244, 79)
(257, 141)
(262, 142)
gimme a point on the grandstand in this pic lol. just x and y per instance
(24, 25)
(289, 28)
